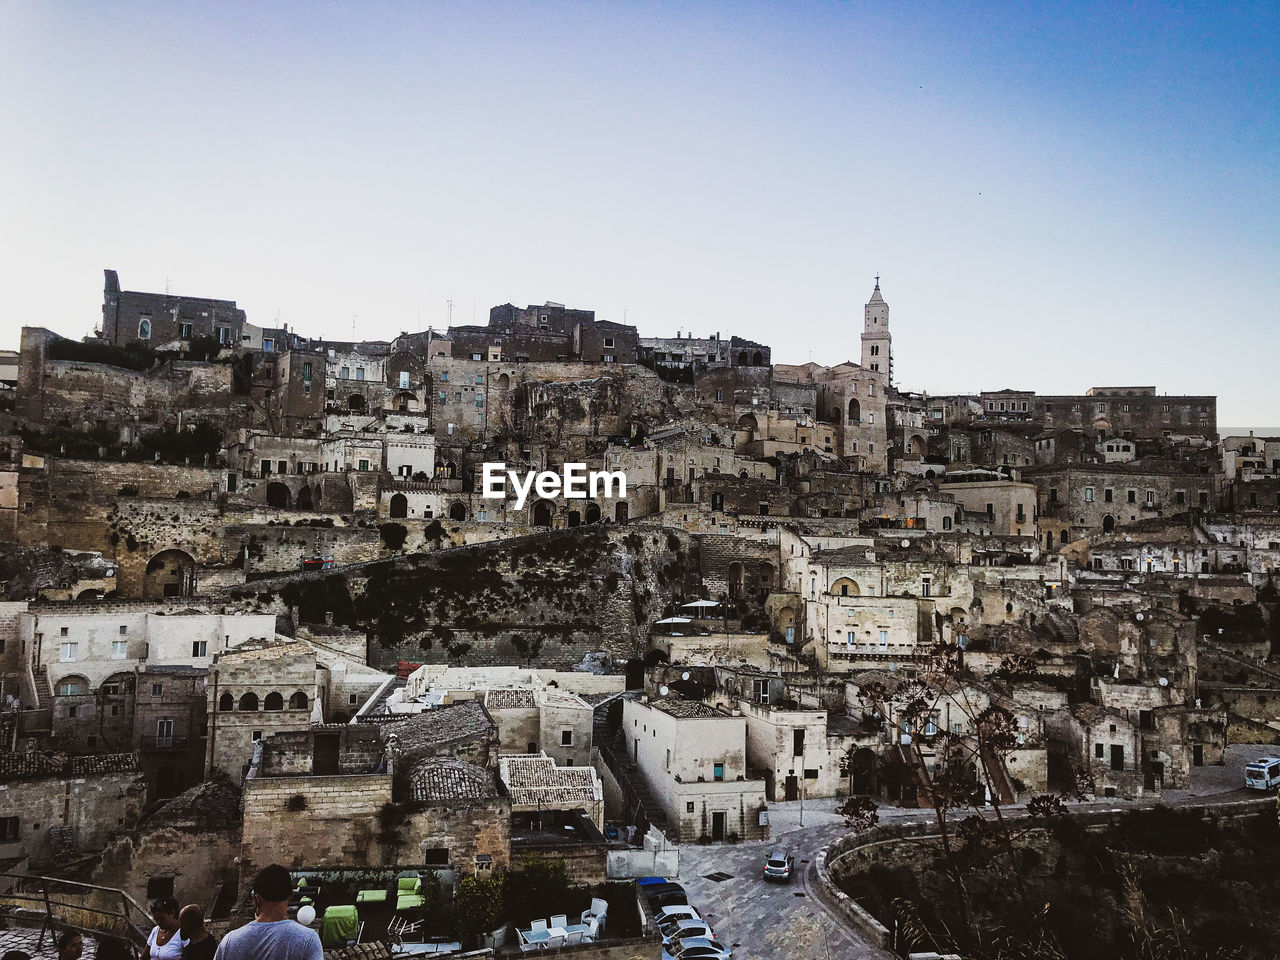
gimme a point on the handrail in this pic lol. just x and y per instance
(86, 907)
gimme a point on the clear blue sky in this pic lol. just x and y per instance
(1056, 197)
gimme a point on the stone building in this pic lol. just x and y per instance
(166, 320)
(693, 758)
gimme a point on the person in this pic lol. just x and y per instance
(271, 935)
(70, 945)
(165, 941)
(200, 942)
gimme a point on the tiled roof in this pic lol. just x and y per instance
(442, 778)
(14, 766)
(211, 805)
(688, 709)
(422, 734)
(509, 700)
(534, 779)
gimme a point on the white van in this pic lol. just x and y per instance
(1263, 774)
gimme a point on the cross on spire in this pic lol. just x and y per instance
(877, 279)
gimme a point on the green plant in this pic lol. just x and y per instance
(478, 904)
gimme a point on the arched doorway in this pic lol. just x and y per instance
(304, 499)
(787, 624)
(735, 579)
(278, 495)
(542, 514)
(593, 513)
(742, 358)
(748, 422)
(916, 446)
(862, 771)
(457, 510)
(1108, 523)
(845, 587)
(621, 512)
(399, 506)
(574, 518)
(1048, 540)
(170, 573)
(855, 411)
(355, 403)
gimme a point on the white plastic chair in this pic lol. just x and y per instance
(560, 920)
(538, 926)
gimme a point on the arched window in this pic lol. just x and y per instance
(144, 329)
(72, 687)
(593, 513)
(855, 410)
(742, 359)
(274, 701)
(299, 701)
(249, 703)
(226, 703)
(757, 359)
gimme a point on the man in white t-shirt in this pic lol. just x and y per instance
(272, 935)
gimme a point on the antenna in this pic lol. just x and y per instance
(449, 305)
(353, 327)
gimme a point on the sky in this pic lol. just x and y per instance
(1055, 197)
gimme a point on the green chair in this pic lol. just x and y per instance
(409, 894)
(371, 896)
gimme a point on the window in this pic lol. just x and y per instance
(797, 742)
(199, 648)
(871, 418)
(760, 691)
(255, 736)
(345, 373)
(476, 356)
(1099, 751)
(484, 863)
(608, 342)
(566, 738)
(946, 523)
(1107, 494)
(1151, 498)
(1088, 494)
(404, 379)
(70, 650)
(72, 687)
(157, 689)
(144, 329)
(62, 631)
(268, 345)
(119, 649)
(364, 466)
(884, 639)
(717, 771)
(224, 335)
(306, 373)
(184, 331)
(1131, 496)
(1204, 498)
(688, 807)
(282, 466)
(1053, 494)
(353, 699)
(164, 732)
(359, 373)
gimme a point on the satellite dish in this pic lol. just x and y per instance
(906, 543)
(1163, 681)
(1139, 617)
(663, 690)
(685, 675)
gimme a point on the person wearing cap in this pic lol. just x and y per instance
(271, 935)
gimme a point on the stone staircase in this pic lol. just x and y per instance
(613, 749)
(44, 696)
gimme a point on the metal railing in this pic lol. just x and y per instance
(49, 903)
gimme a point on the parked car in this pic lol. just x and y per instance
(684, 930)
(696, 948)
(1263, 773)
(664, 894)
(779, 866)
(679, 911)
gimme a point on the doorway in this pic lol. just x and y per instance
(717, 825)
(792, 788)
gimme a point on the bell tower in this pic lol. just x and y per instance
(877, 344)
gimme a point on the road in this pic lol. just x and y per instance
(769, 921)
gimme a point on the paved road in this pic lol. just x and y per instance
(768, 921)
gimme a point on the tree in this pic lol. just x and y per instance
(478, 904)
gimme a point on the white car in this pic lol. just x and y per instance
(1263, 774)
(684, 929)
(696, 948)
(679, 912)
